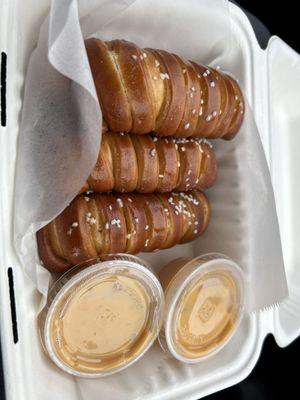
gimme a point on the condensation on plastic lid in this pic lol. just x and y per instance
(206, 296)
(82, 278)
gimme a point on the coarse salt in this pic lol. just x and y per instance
(76, 251)
(164, 76)
(120, 202)
(152, 152)
(116, 221)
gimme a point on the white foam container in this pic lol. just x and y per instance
(271, 79)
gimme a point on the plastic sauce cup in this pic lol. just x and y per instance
(205, 302)
(102, 316)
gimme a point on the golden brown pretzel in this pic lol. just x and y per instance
(125, 223)
(145, 90)
(147, 164)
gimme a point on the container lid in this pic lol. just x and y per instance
(284, 142)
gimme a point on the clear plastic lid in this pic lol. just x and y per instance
(205, 301)
(102, 315)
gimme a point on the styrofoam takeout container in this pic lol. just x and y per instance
(272, 85)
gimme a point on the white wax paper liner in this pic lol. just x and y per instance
(60, 131)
